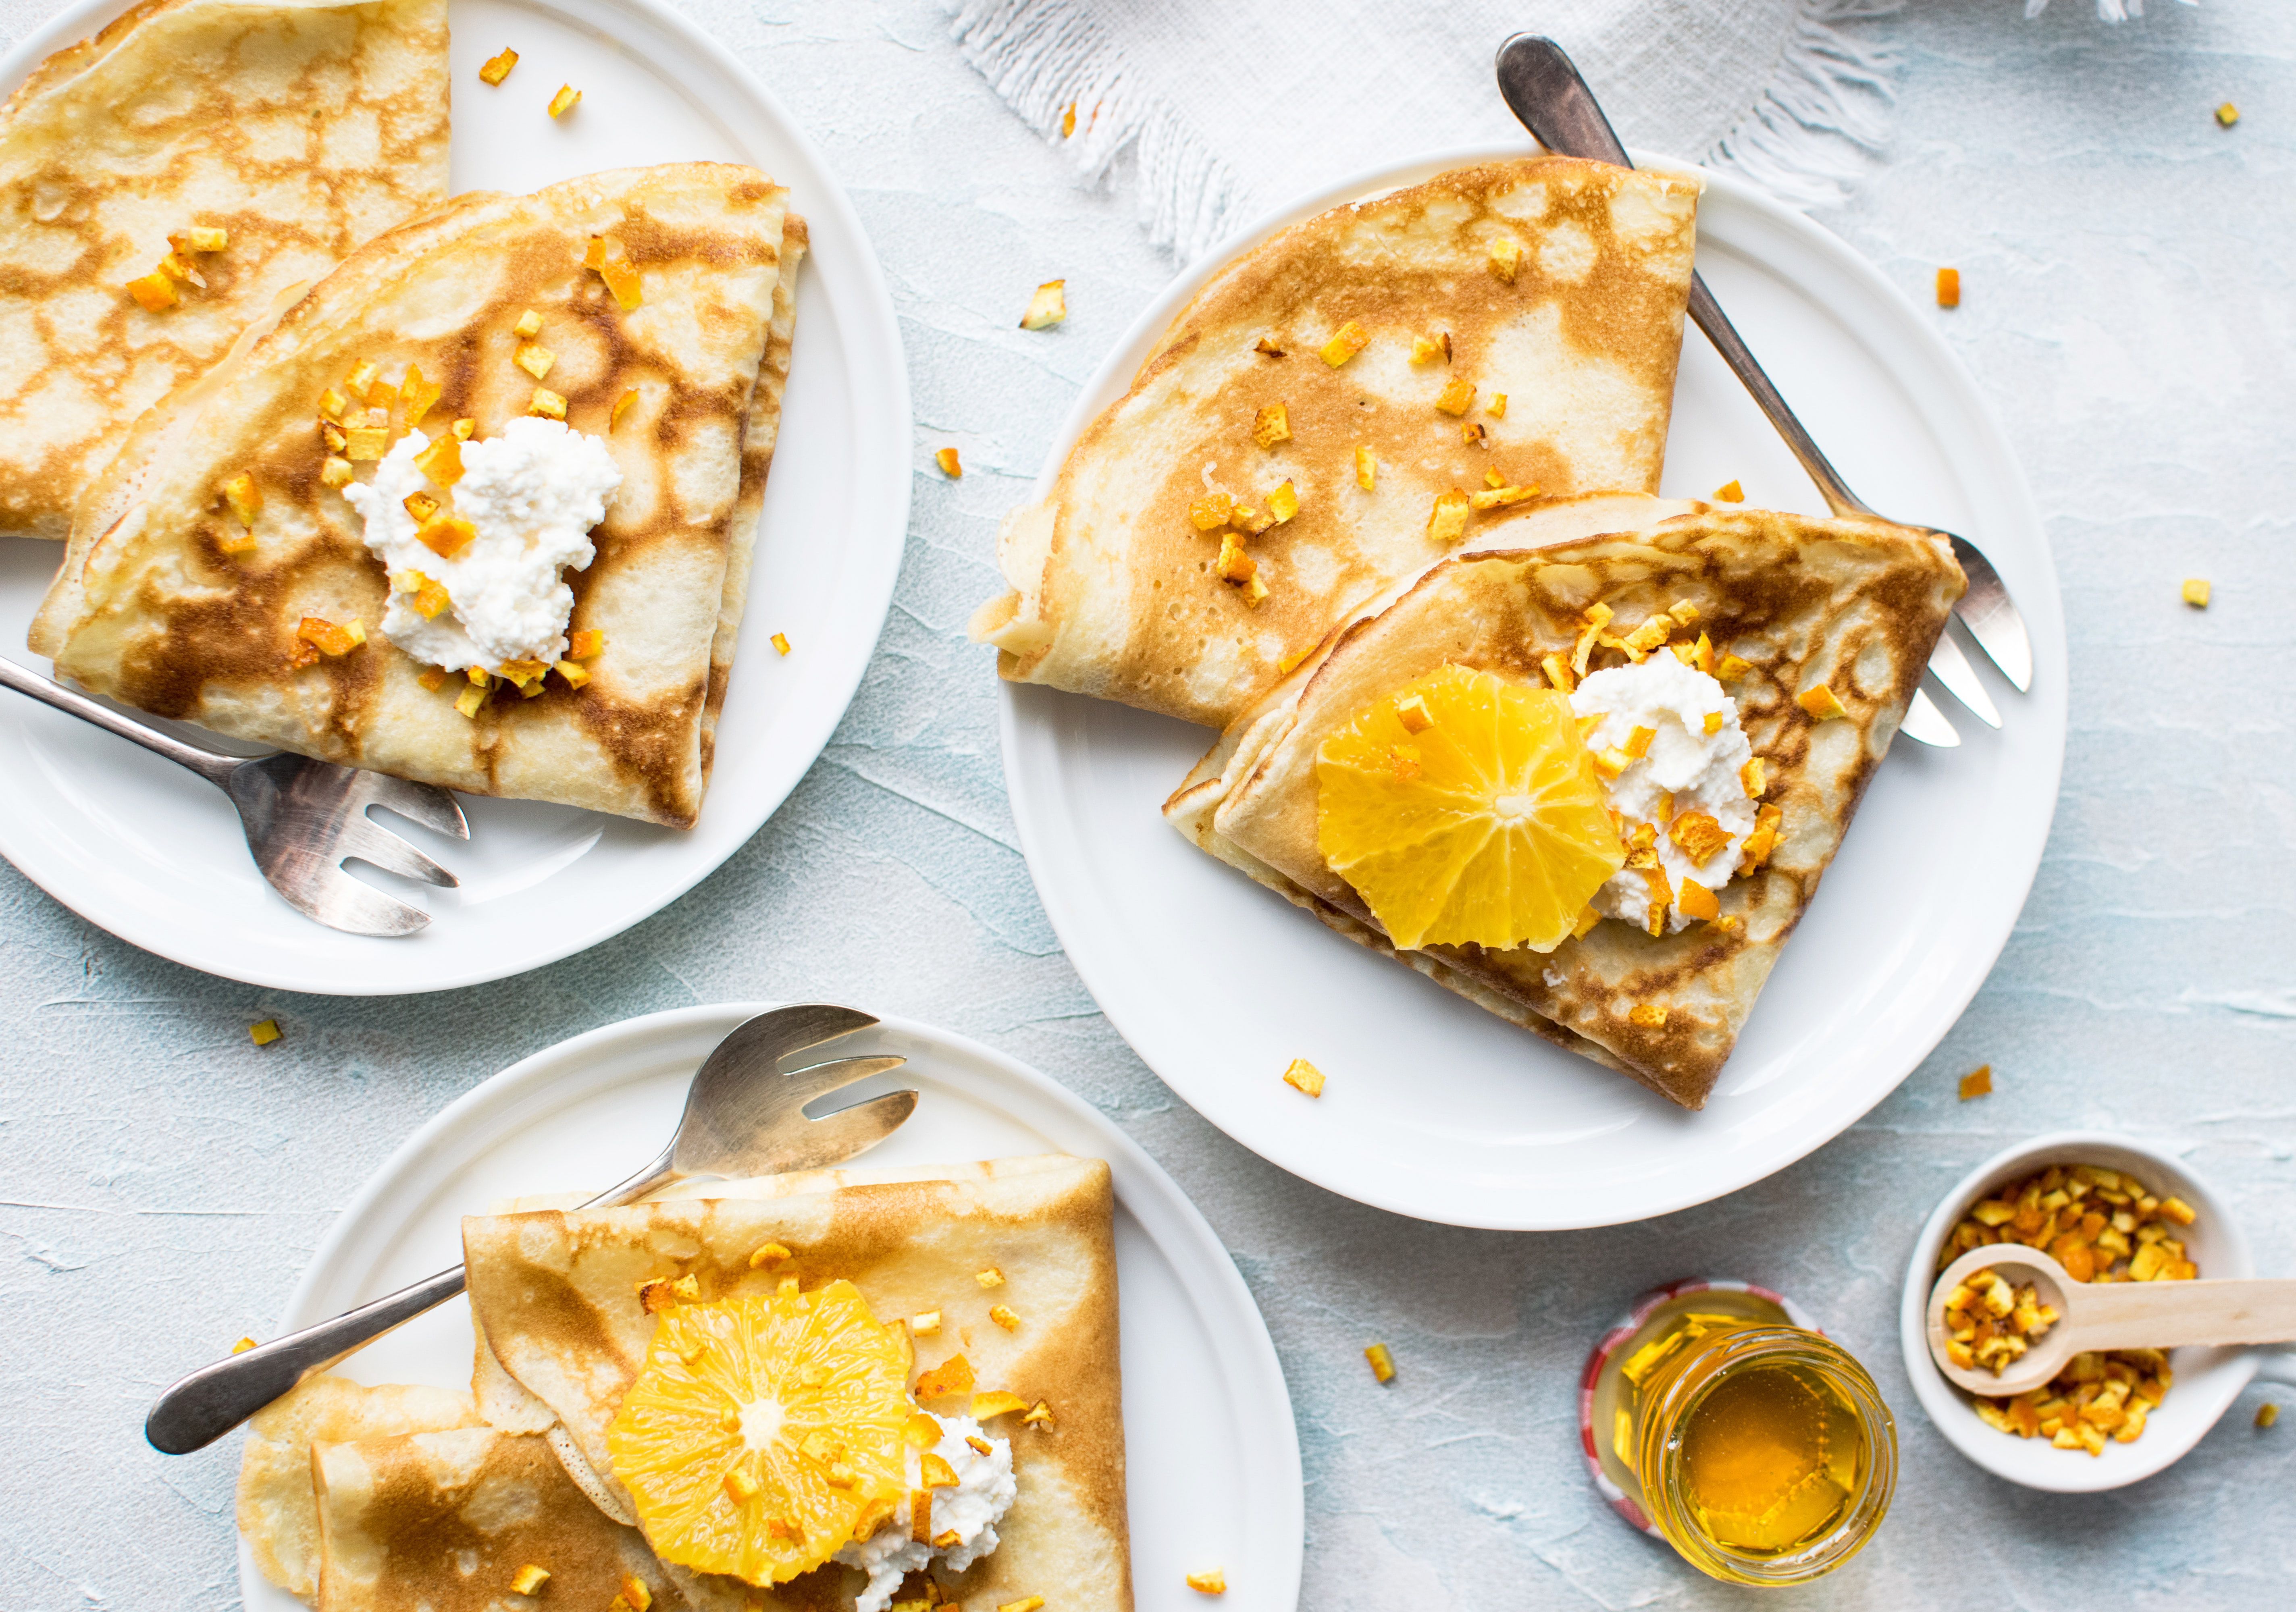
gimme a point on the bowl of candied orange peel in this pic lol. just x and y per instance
(2107, 1209)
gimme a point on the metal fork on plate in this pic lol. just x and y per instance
(303, 818)
(1543, 90)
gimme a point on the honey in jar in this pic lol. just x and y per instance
(1758, 1448)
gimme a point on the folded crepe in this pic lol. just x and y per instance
(438, 1522)
(563, 1334)
(1856, 605)
(300, 128)
(154, 607)
(278, 1511)
(1550, 290)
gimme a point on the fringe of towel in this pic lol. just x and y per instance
(2110, 11)
(1818, 121)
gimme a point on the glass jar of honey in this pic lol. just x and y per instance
(1717, 1418)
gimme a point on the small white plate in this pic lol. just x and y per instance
(1211, 1458)
(1439, 1110)
(2207, 1380)
(144, 848)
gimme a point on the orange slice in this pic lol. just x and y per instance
(1486, 825)
(766, 1432)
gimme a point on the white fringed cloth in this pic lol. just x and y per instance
(1218, 110)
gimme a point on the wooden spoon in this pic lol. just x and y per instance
(2109, 1315)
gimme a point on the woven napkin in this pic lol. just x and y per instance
(1221, 109)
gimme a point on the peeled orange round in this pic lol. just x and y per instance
(765, 1433)
(1464, 808)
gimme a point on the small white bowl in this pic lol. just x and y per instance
(2207, 1380)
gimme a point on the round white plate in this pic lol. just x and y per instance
(1439, 1110)
(137, 844)
(1211, 1459)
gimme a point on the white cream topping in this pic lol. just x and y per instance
(532, 493)
(1700, 769)
(984, 1492)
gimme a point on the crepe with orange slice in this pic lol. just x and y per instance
(568, 1335)
(1319, 422)
(1853, 607)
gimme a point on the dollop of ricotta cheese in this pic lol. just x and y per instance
(984, 1492)
(532, 495)
(1700, 771)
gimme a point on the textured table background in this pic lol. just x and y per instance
(2127, 266)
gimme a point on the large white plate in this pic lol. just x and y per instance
(1211, 1458)
(150, 853)
(1437, 1109)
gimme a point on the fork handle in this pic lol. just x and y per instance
(201, 1408)
(216, 769)
(1543, 90)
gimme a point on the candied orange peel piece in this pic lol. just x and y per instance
(497, 67)
(1301, 1075)
(1349, 340)
(1047, 307)
(565, 101)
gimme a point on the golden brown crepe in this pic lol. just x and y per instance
(152, 610)
(299, 128)
(278, 1513)
(556, 1293)
(443, 1522)
(1854, 604)
(1113, 588)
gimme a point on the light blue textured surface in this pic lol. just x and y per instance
(2127, 266)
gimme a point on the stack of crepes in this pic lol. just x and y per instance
(235, 283)
(1381, 507)
(667, 1397)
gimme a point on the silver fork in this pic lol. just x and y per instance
(303, 818)
(743, 1116)
(1543, 88)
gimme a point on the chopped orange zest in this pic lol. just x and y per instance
(1068, 120)
(1002, 1315)
(1948, 287)
(1730, 492)
(264, 1032)
(585, 645)
(528, 1579)
(1366, 468)
(1700, 836)
(244, 497)
(1458, 398)
(934, 1472)
(470, 699)
(1272, 425)
(1382, 1363)
(534, 358)
(442, 460)
(498, 68)
(573, 672)
(1821, 702)
(1446, 522)
(329, 638)
(781, 643)
(565, 101)
(622, 406)
(987, 1406)
(768, 1254)
(155, 291)
(1638, 743)
(952, 1376)
(1506, 258)
(1976, 1082)
(1214, 1582)
(1754, 777)
(1497, 407)
(1283, 502)
(446, 535)
(1350, 339)
(1047, 307)
(1696, 901)
(1649, 1015)
(950, 466)
(1209, 512)
(1039, 1416)
(2196, 592)
(1558, 672)
(1304, 1076)
(622, 280)
(1730, 668)
(431, 678)
(416, 395)
(548, 403)
(420, 505)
